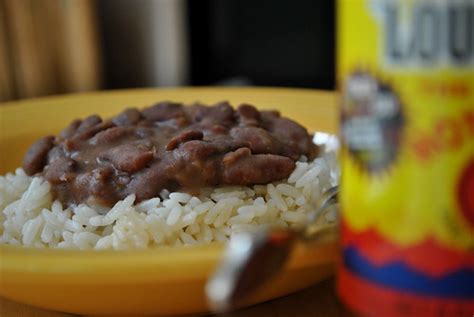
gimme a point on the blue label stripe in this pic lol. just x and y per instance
(397, 275)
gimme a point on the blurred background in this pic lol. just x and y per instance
(61, 46)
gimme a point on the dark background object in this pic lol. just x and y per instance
(144, 42)
(126, 51)
(62, 46)
(266, 42)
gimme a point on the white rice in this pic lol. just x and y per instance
(29, 217)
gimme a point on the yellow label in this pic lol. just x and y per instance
(406, 72)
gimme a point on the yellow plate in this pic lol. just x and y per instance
(159, 281)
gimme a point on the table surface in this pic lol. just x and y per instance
(317, 300)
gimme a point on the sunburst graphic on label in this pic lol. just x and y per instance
(372, 121)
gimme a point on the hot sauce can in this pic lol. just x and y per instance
(406, 76)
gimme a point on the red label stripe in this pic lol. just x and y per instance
(428, 256)
(372, 300)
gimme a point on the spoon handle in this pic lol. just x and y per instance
(251, 260)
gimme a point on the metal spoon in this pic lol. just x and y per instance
(252, 259)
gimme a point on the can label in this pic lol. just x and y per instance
(406, 72)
